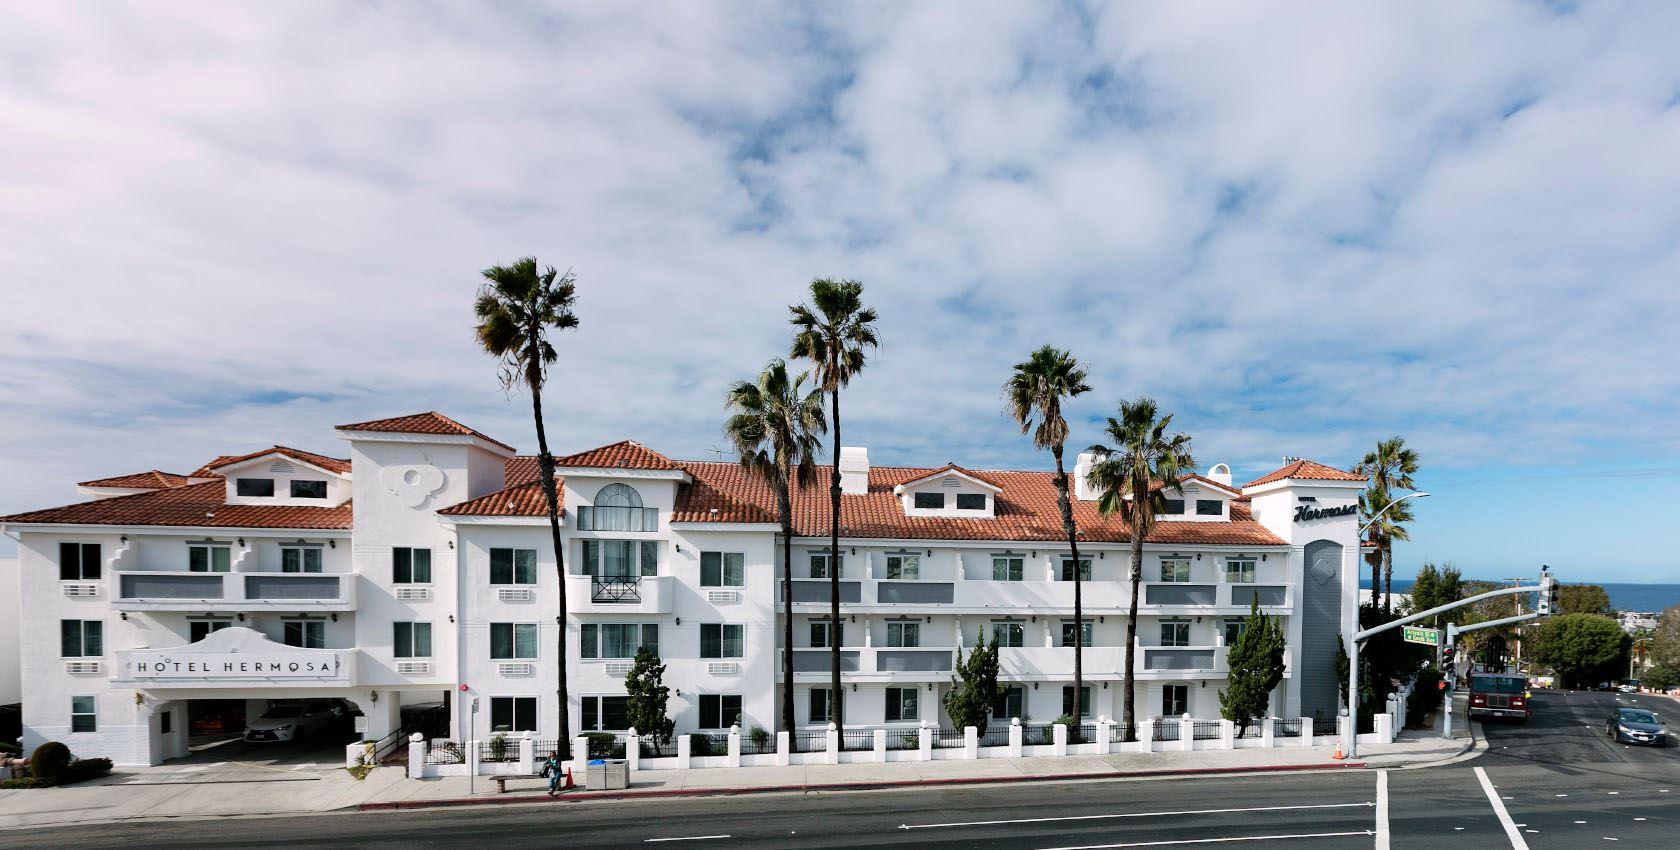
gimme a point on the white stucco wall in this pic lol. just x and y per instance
(11, 673)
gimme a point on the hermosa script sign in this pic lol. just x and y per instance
(1304, 513)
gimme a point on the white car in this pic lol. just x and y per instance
(1628, 689)
(286, 720)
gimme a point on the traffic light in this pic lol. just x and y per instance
(1548, 597)
(1447, 655)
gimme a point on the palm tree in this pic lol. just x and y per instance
(775, 430)
(1388, 527)
(1133, 479)
(518, 306)
(833, 337)
(1036, 391)
(1389, 467)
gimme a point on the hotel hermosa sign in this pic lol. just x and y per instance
(1304, 513)
(203, 665)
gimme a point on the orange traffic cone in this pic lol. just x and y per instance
(1338, 754)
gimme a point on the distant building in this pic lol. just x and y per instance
(1634, 622)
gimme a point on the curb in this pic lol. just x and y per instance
(843, 786)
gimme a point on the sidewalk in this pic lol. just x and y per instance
(160, 793)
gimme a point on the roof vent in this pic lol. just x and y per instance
(280, 467)
(854, 470)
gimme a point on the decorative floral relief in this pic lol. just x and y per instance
(413, 483)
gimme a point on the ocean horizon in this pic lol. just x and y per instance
(1623, 596)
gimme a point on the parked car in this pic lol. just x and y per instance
(1629, 687)
(287, 720)
(1636, 726)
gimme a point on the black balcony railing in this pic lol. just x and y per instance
(616, 589)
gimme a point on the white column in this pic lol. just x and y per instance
(782, 748)
(1186, 733)
(971, 742)
(1015, 737)
(1268, 732)
(528, 753)
(1058, 734)
(1103, 726)
(833, 744)
(580, 752)
(1304, 737)
(1227, 735)
(880, 745)
(416, 756)
(924, 744)
(472, 758)
(735, 745)
(685, 746)
(1146, 736)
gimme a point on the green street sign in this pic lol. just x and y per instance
(1415, 634)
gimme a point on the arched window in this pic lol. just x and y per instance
(618, 507)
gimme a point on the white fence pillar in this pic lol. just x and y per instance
(416, 756)
(924, 744)
(1058, 738)
(971, 742)
(1227, 734)
(1304, 735)
(528, 755)
(1186, 733)
(685, 749)
(580, 751)
(1146, 736)
(1268, 732)
(880, 745)
(353, 754)
(833, 744)
(1103, 727)
(735, 745)
(472, 758)
(783, 748)
(1384, 727)
(1015, 737)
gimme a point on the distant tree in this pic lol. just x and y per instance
(646, 699)
(1584, 599)
(1660, 678)
(1437, 586)
(1256, 668)
(974, 685)
(1664, 642)
(1582, 649)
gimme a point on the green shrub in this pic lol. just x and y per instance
(759, 737)
(600, 744)
(84, 769)
(700, 744)
(50, 762)
(1073, 728)
(1425, 698)
(22, 782)
(498, 748)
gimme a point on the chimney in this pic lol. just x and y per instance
(854, 470)
(1081, 468)
(1220, 472)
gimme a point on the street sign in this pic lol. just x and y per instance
(1415, 634)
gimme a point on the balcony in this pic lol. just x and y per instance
(876, 663)
(1028, 663)
(235, 657)
(619, 595)
(173, 590)
(1043, 597)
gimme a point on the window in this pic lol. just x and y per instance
(821, 709)
(411, 566)
(1175, 569)
(81, 638)
(513, 714)
(722, 569)
(904, 634)
(1175, 634)
(822, 631)
(82, 713)
(207, 558)
(300, 559)
(618, 507)
(930, 501)
(253, 486)
(719, 711)
(619, 640)
(650, 557)
(1084, 633)
(309, 489)
(78, 561)
(1175, 700)
(618, 558)
(1209, 507)
(1008, 633)
(1172, 506)
(1239, 570)
(1010, 702)
(903, 704)
(1084, 701)
(904, 566)
(819, 565)
(722, 640)
(513, 640)
(608, 713)
(1006, 568)
(1234, 630)
(513, 566)
(411, 640)
(306, 634)
(1084, 569)
(166, 722)
(971, 501)
(198, 630)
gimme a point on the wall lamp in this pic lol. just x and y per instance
(451, 618)
(332, 544)
(125, 615)
(124, 538)
(335, 617)
(241, 617)
(451, 544)
(242, 541)
(374, 696)
(679, 621)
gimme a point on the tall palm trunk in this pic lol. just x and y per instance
(785, 505)
(1388, 574)
(1376, 574)
(545, 464)
(1078, 582)
(1140, 497)
(835, 705)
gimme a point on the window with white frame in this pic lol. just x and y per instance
(78, 562)
(1009, 633)
(83, 714)
(1175, 569)
(411, 565)
(1084, 568)
(306, 489)
(411, 640)
(904, 565)
(606, 713)
(1172, 507)
(300, 559)
(1084, 701)
(823, 632)
(822, 708)
(618, 507)
(971, 501)
(513, 566)
(253, 487)
(198, 630)
(903, 704)
(1209, 507)
(1010, 702)
(930, 501)
(512, 641)
(209, 557)
(620, 558)
(723, 569)
(820, 564)
(1239, 570)
(305, 634)
(719, 711)
(619, 640)
(904, 634)
(1085, 632)
(1175, 700)
(722, 640)
(1233, 630)
(1008, 568)
(81, 638)
(1175, 633)
(513, 714)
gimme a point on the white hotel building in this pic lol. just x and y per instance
(419, 570)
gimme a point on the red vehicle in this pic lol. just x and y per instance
(1499, 695)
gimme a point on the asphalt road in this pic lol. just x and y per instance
(1554, 782)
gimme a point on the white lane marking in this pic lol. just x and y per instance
(1638, 818)
(1517, 842)
(1134, 815)
(685, 838)
(1612, 793)
(1580, 821)
(1382, 810)
(1214, 840)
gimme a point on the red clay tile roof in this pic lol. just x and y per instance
(951, 467)
(193, 505)
(205, 470)
(1306, 470)
(331, 464)
(1210, 482)
(151, 480)
(624, 454)
(520, 469)
(519, 500)
(430, 422)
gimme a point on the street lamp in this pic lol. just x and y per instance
(1353, 643)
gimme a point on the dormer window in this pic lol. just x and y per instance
(209, 557)
(1209, 507)
(256, 487)
(305, 489)
(618, 507)
(930, 501)
(1173, 507)
(904, 566)
(971, 501)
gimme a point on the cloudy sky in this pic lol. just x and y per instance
(1301, 228)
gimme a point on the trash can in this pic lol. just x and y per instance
(607, 775)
